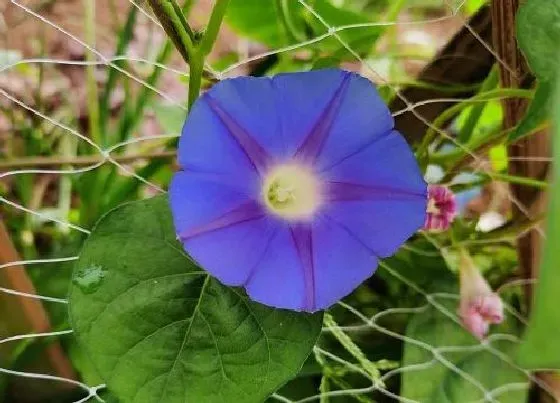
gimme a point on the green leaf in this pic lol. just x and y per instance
(271, 30)
(498, 156)
(159, 329)
(472, 6)
(360, 39)
(434, 329)
(490, 372)
(471, 117)
(539, 349)
(242, 16)
(537, 114)
(437, 382)
(538, 30)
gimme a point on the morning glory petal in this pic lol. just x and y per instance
(382, 225)
(362, 119)
(209, 215)
(242, 130)
(294, 186)
(310, 267)
(378, 194)
(343, 262)
(315, 140)
(196, 201)
(279, 278)
(233, 253)
(304, 98)
(387, 162)
(207, 146)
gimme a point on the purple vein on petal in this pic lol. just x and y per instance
(313, 143)
(358, 150)
(351, 234)
(249, 211)
(302, 236)
(257, 155)
(343, 191)
(255, 267)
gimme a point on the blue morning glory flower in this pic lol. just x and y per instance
(294, 186)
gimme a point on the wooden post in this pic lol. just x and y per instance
(22, 315)
(530, 201)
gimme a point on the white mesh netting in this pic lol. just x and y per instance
(128, 163)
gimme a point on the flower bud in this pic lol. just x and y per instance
(479, 306)
(441, 209)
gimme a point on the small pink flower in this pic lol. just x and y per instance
(441, 209)
(479, 306)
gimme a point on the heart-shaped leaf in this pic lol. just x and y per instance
(538, 30)
(469, 371)
(538, 113)
(159, 329)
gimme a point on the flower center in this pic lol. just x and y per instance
(291, 191)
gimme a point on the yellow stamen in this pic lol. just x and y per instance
(291, 191)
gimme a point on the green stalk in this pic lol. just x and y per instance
(176, 26)
(92, 100)
(93, 180)
(448, 114)
(131, 118)
(213, 27)
(391, 32)
(125, 36)
(394, 10)
(520, 180)
(284, 11)
(457, 158)
(195, 78)
(68, 148)
(203, 49)
(467, 130)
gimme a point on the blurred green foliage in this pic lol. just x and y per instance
(540, 349)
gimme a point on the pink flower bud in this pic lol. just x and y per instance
(479, 306)
(441, 209)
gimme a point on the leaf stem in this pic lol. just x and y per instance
(195, 78)
(176, 27)
(475, 114)
(484, 97)
(520, 180)
(213, 27)
(284, 11)
(175, 24)
(206, 44)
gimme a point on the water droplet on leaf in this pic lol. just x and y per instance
(89, 279)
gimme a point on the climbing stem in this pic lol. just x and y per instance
(175, 24)
(193, 50)
(213, 27)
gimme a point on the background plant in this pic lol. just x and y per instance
(68, 159)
